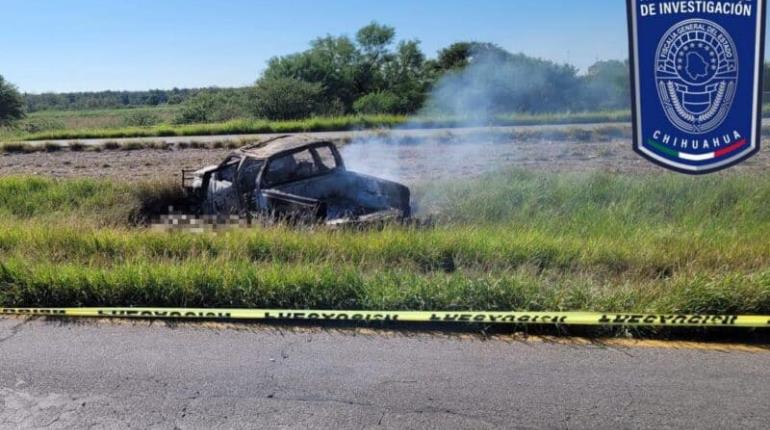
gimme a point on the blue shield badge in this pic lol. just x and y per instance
(696, 69)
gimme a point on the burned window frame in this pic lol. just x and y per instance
(232, 161)
(320, 161)
(239, 176)
(245, 190)
(321, 168)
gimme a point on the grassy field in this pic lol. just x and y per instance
(573, 134)
(101, 118)
(513, 241)
(158, 122)
(60, 121)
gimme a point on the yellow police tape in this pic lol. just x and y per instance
(539, 318)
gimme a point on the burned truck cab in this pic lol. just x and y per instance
(296, 177)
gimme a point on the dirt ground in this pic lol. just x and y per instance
(421, 160)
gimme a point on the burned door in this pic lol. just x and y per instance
(288, 168)
(222, 195)
(248, 173)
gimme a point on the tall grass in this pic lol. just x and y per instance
(82, 201)
(249, 126)
(516, 240)
(335, 286)
(115, 123)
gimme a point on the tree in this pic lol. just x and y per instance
(606, 85)
(494, 81)
(375, 38)
(373, 43)
(214, 105)
(349, 69)
(11, 102)
(286, 98)
(109, 99)
(407, 77)
(458, 55)
(331, 62)
(383, 102)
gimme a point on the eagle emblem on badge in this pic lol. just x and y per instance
(696, 73)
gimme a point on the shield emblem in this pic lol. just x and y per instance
(696, 75)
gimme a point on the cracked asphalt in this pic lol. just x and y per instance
(56, 374)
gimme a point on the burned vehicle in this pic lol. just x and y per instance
(294, 177)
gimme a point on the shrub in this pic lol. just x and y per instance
(286, 98)
(214, 106)
(382, 102)
(141, 119)
(36, 125)
(11, 103)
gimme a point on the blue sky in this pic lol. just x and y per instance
(85, 45)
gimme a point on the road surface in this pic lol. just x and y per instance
(56, 374)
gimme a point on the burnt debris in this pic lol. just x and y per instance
(295, 178)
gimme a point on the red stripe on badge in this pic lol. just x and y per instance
(732, 148)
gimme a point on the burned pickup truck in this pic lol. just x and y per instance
(294, 177)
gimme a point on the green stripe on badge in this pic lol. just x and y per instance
(662, 149)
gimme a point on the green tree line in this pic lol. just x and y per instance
(106, 99)
(370, 73)
(374, 73)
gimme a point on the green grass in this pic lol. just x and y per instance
(114, 123)
(574, 134)
(62, 121)
(111, 124)
(97, 118)
(513, 241)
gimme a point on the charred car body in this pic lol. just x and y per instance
(294, 177)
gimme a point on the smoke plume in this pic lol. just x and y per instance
(488, 86)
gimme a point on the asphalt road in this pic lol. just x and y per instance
(140, 375)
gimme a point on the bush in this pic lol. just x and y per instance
(11, 103)
(605, 86)
(286, 98)
(196, 110)
(214, 106)
(333, 107)
(382, 102)
(141, 119)
(36, 125)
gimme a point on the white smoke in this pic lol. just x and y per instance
(469, 97)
